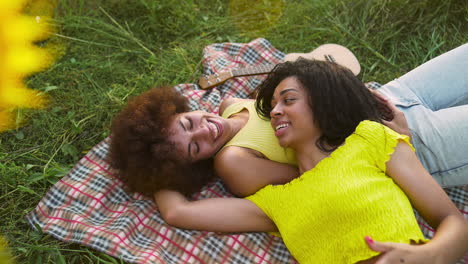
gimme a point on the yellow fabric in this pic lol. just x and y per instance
(257, 134)
(324, 215)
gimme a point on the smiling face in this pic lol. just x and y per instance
(199, 135)
(291, 115)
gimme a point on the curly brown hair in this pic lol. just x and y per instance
(141, 152)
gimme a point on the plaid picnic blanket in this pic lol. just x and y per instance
(89, 205)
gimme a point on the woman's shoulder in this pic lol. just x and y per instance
(236, 153)
(368, 135)
(376, 130)
(367, 125)
(229, 158)
(371, 130)
(379, 136)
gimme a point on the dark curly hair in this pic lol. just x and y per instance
(338, 99)
(141, 152)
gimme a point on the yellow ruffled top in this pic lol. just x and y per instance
(324, 215)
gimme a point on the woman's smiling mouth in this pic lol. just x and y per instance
(216, 129)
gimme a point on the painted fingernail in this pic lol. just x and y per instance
(369, 240)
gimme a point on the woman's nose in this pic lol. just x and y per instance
(200, 132)
(276, 111)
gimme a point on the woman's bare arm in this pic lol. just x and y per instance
(450, 242)
(212, 214)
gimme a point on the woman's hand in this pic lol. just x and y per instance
(400, 253)
(399, 122)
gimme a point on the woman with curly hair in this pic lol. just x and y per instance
(141, 151)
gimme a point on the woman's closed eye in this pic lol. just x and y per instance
(289, 100)
(190, 123)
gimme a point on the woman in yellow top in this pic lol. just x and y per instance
(359, 180)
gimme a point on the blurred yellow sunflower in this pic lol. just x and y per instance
(20, 57)
(255, 18)
(5, 253)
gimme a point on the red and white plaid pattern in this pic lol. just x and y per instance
(89, 205)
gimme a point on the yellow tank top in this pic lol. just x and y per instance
(257, 134)
(324, 215)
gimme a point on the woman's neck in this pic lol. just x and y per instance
(309, 155)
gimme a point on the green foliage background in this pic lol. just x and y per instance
(119, 48)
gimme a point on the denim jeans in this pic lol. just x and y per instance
(434, 99)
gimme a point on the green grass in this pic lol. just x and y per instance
(119, 48)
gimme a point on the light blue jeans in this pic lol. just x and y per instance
(434, 99)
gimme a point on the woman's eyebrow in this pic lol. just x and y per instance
(288, 90)
(283, 92)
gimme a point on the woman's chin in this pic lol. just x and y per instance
(283, 143)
